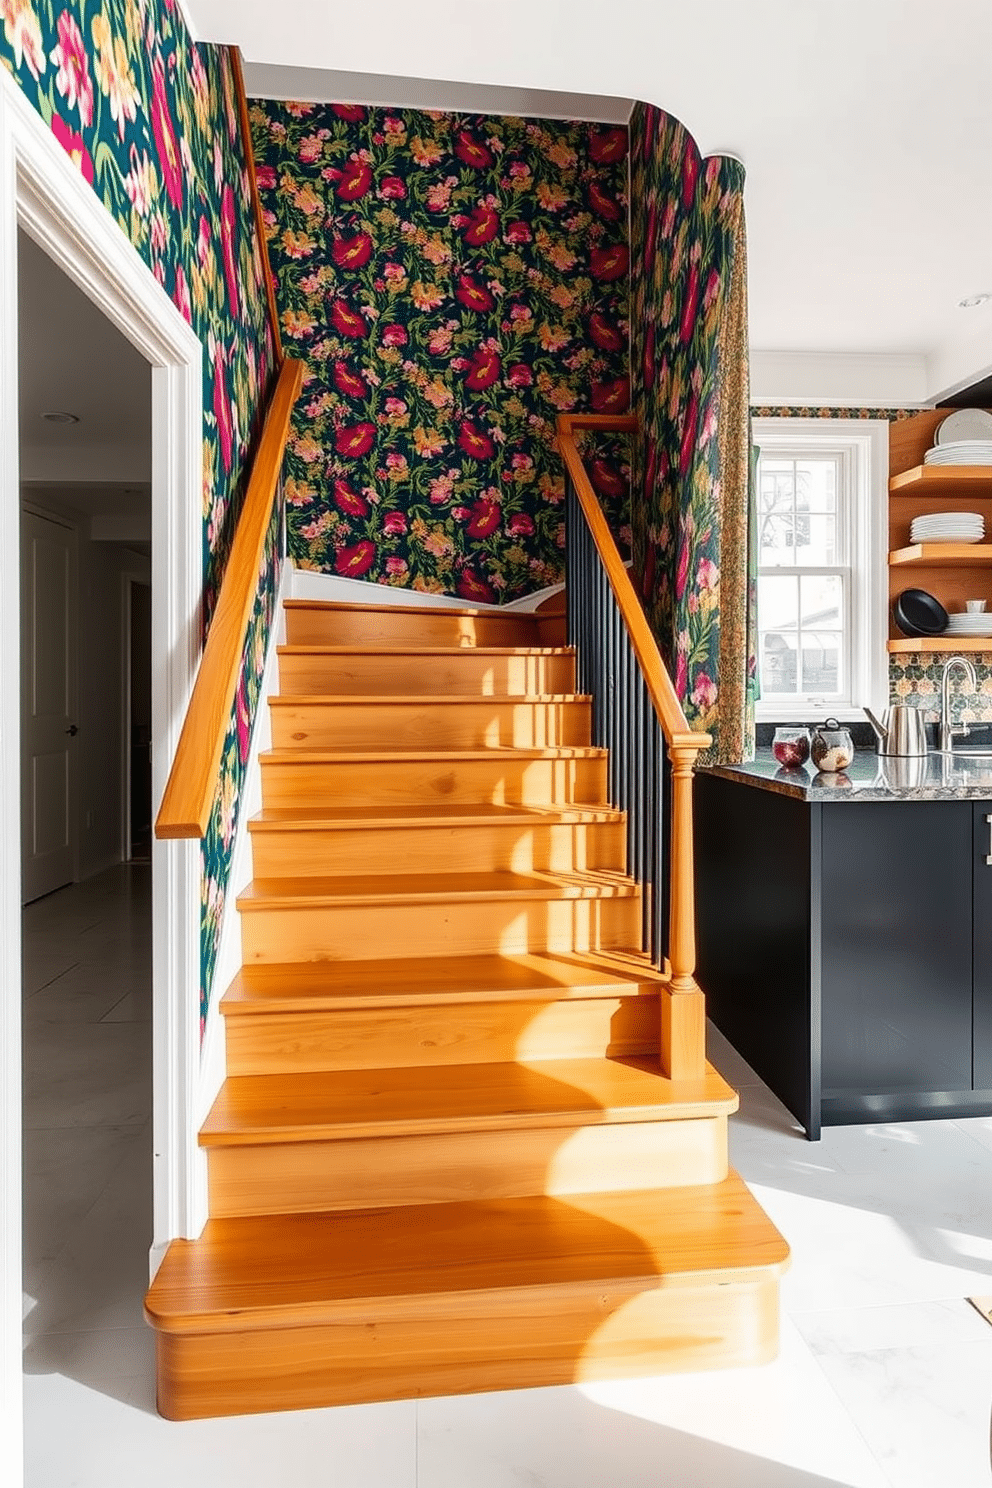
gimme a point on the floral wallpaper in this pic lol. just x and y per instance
(219, 841)
(453, 282)
(684, 218)
(150, 120)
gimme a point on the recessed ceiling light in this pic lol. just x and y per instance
(970, 301)
(61, 418)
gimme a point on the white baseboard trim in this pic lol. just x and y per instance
(332, 589)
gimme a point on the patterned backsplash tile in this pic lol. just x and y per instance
(914, 677)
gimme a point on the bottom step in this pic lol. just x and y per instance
(303, 1310)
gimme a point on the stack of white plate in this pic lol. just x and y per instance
(957, 527)
(967, 624)
(964, 438)
(960, 452)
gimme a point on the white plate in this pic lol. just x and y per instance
(948, 537)
(964, 423)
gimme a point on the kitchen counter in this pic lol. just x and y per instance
(936, 777)
(846, 951)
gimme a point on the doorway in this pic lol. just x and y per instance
(43, 193)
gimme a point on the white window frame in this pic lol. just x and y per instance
(863, 445)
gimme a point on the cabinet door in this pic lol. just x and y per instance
(897, 947)
(982, 923)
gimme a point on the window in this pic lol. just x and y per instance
(821, 503)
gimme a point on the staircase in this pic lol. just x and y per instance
(445, 1158)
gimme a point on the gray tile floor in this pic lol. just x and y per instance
(884, 1378)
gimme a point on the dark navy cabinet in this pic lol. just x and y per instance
(845, 948)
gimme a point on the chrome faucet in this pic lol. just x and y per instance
(949, 731)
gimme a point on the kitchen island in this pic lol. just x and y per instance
(845, 932)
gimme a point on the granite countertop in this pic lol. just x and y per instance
(936, 777)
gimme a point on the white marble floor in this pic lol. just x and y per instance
(884, 1378)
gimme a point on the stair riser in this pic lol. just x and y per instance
(375, 1172)
(435, 725)
(511, 926)
(461, 675)
(469, 1343)
(501, 781)
(516, 847)
(441, 1034)
(307, 627)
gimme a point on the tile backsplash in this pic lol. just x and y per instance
(914, 677)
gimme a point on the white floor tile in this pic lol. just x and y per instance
(924, 1410)
(103, 1442)
(780, 1426)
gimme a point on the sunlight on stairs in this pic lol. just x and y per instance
(445, 1158)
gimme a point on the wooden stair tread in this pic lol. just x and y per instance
(406, 888)
(494, 612)
(324, 986)
(391, 648)
(424, 1099)
(422, 699)
(303, 1269)
(468, 814)
(405, 752)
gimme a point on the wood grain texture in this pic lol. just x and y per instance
(940, 555)
(425, 1100)
(516, 1341)
(297, 987)
(462, 839)
(944, 482)
(312, 623)
(909, 439)
(519, 777)
(659, 684)
(372, 1173)
(429, 723)
(256, 202)
(501, 923)
(304, 1270)
(488, 672)
(443, 1032)
(189, 791)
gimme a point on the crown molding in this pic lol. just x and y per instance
(810, 379)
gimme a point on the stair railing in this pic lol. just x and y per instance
(636, 713)
(192, 783)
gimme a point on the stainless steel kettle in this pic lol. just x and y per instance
(903, 731)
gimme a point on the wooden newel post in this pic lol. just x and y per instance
(683, 1012)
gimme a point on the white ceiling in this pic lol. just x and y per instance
(865, 126)
(72, 359)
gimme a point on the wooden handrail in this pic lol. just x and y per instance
(660, 687)
(256, 201)
(192, 783)
(683, 1009)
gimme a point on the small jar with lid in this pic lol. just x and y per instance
(832, 748)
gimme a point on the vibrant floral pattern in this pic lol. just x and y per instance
(149, 119)
(453, 282)
(683, 216)
(218, 843)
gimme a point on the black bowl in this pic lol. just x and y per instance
(919, 614)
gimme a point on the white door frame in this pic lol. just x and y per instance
(129, 577)
(34, 509)
(42, 192)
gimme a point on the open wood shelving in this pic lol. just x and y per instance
(952, 572)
